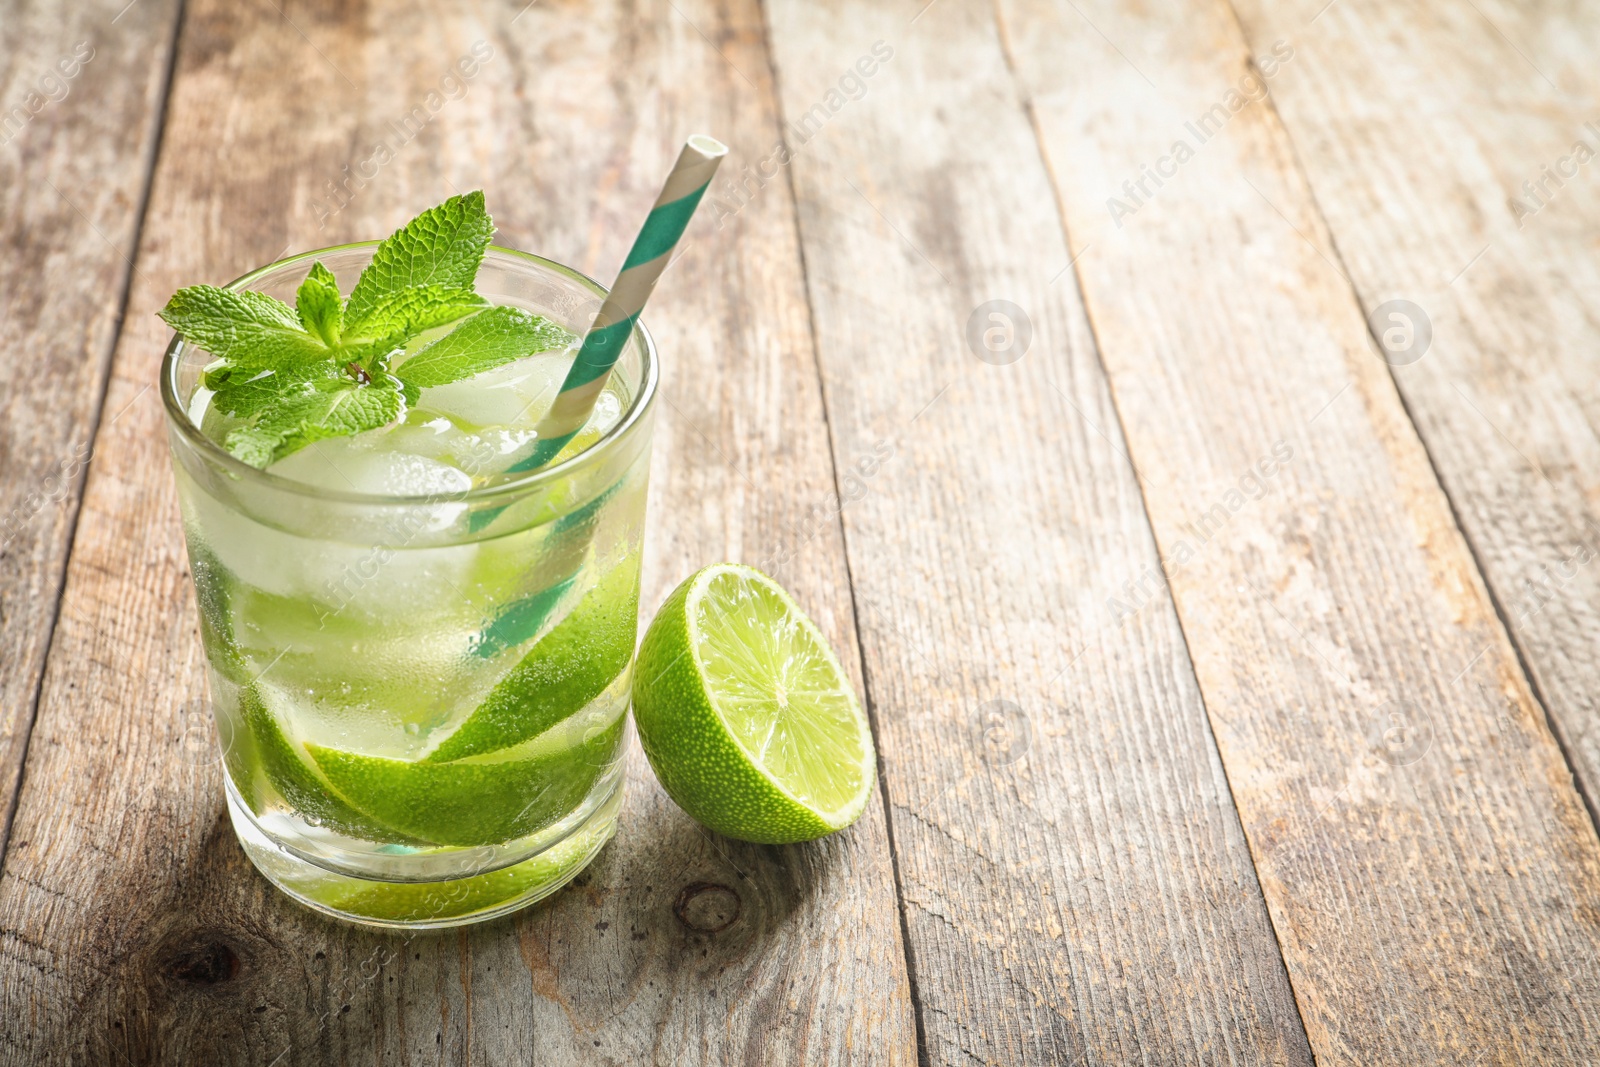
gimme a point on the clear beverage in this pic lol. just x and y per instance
(420, 656)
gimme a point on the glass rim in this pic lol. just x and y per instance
(178, 414)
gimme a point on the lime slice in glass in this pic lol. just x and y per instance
(746, 716)
(288, 767)
(472, 803)
(437, 901)
(563, 672)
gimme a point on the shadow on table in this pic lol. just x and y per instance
(667, 924)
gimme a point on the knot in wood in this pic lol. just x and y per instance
(203, 960)
(707, 908)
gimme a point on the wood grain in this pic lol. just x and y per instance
(1436, 148)
(1075, 883)
(81, 93)
(1431, 872)
(131, 927)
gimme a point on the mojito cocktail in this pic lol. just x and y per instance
(419, 648)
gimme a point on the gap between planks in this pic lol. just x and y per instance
(92, 432)
(907, 949)
(1133, 467)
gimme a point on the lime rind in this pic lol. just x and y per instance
(432, 902)
(212, 582)
(561, 732)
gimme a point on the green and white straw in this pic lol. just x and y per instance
(652, 251)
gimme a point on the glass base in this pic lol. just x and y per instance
(427, 905)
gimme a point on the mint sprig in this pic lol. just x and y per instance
(287, 377)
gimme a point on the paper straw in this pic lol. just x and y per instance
(652, 250)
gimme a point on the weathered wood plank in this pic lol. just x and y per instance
(1431, 871)
(80, 100)
(131, 922)
(1076, 886)
(1451, 175)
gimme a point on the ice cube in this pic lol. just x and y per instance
(607, 410)
(378, 561)
(432, 436)
(517, 394)
(199, 404)
(480, 455)
(371, 463)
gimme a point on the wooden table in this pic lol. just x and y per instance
(1230, 643)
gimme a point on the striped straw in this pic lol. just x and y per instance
(652, 250)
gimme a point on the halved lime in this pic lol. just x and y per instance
(746, 716)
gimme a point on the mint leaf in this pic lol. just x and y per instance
(403, 314)
(251, 396)
(250, 330)
(442, 246)
(487, 340)
(328, 407)
(319, 305)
